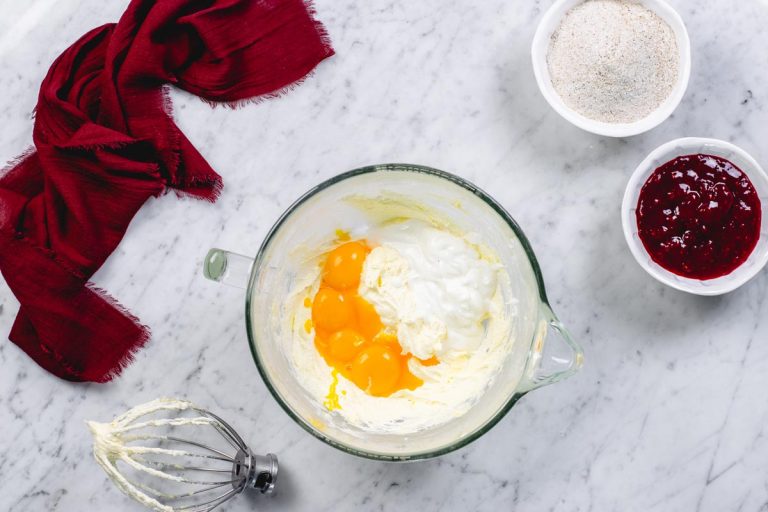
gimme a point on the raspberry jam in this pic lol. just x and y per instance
(699, 216)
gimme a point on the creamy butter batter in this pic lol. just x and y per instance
(443, 296)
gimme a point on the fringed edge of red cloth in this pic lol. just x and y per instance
(106, 141)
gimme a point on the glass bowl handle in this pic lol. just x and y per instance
(554, 354)
(227, 268)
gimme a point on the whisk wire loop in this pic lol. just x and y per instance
(152, 447)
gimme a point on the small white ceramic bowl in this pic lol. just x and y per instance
(691, 146)
(540, 47)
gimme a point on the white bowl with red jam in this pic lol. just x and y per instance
(693, 215)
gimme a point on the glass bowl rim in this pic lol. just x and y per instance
(390, 167)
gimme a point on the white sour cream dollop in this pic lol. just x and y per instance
(432, 288)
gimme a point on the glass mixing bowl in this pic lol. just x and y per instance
(535, 359)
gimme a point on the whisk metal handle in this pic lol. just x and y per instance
(265, 471)
(256, 471)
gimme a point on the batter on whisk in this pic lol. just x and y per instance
(166, 472)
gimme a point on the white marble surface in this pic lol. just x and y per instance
(670, 410)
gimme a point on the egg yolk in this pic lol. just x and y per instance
(376, 370)
(344, 265)
(331, 310)
(368, 320)
(349, 333)
(345, 344)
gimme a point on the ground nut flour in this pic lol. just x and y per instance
(614, 61)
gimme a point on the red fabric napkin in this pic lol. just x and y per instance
(105, 143)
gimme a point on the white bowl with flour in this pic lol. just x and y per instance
(625, 120)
